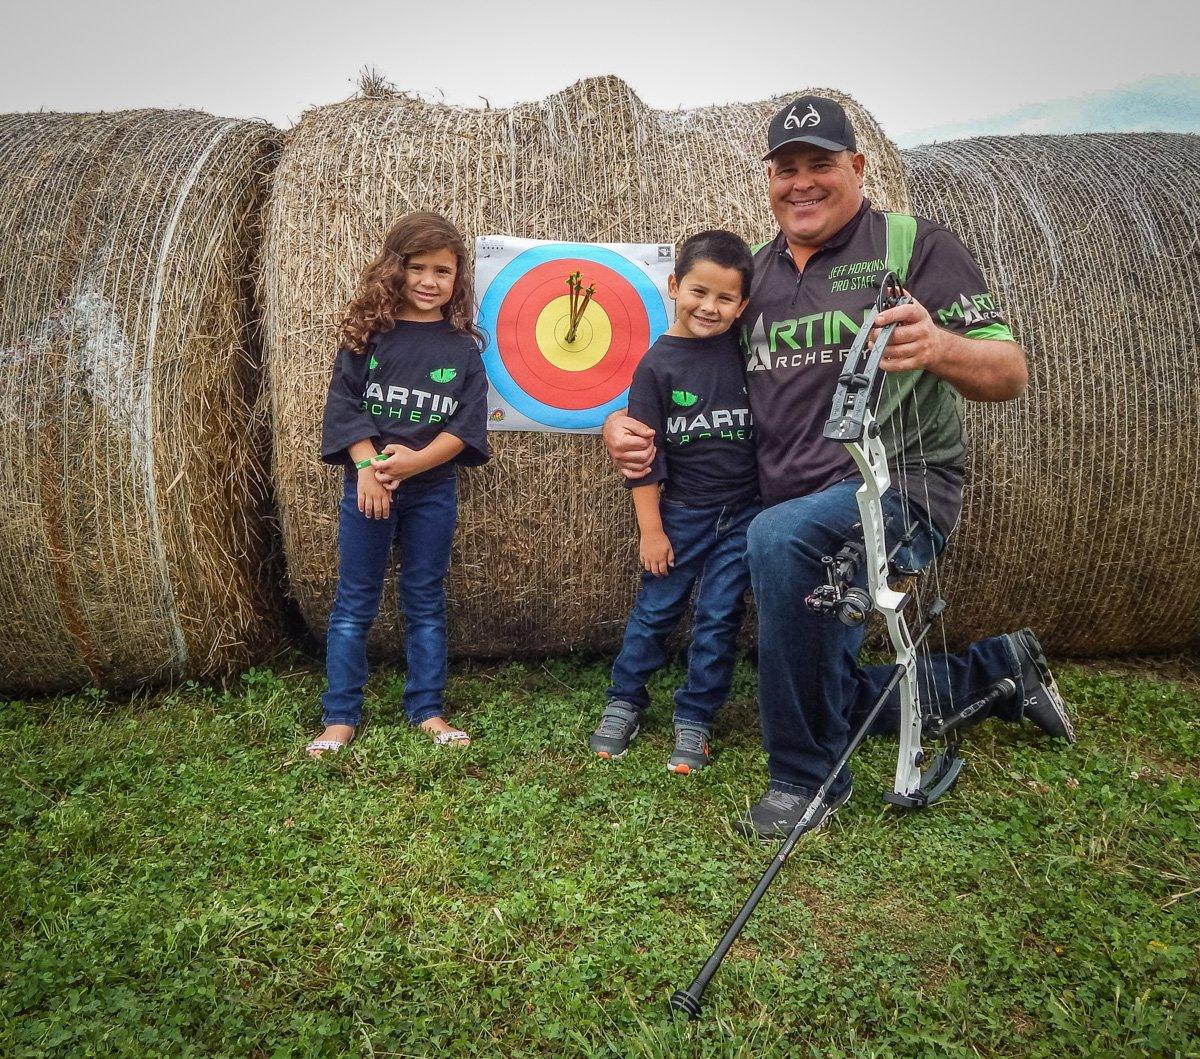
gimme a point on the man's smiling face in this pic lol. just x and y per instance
(814, 192)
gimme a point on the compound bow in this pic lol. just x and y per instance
(852, 422)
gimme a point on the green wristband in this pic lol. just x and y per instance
(362, 465)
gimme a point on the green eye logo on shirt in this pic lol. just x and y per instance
(373, 364)
(443, 374)
(683, 398)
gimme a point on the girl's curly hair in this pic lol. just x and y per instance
(376, 305)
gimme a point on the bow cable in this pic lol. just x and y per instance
(930, 702)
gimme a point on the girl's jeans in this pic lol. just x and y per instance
(709, 544)
(421, 526)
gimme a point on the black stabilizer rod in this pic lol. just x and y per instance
(688, 1001)
(1004, 688)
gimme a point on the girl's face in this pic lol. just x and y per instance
(428, 285)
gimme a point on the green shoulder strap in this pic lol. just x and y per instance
(756, 247)
(901, 235)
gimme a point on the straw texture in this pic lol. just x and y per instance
(1082, 515)
(131, 489)
(545, 558)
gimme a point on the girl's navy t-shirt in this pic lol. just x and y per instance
(692, 391)
(409, 385)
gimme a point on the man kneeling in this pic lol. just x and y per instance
(812, 282)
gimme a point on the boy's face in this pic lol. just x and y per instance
(707, 300)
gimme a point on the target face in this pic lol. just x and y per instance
(526, 314)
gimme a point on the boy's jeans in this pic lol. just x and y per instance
(421, 523)
(709, 544)
(812, 692)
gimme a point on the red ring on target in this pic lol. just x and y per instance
(543, 381)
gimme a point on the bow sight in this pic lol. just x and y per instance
(839, 595)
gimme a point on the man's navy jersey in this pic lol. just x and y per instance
(692, 391)
(409, 385)
(797, 330)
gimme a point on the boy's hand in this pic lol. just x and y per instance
(399, 465)
(656, 553)
(630, 444)
(374, 498)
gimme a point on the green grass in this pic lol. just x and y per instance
(177, 879)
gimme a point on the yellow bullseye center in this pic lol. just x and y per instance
(593, 336)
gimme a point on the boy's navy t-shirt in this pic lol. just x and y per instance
(692, 391)
(409, 385)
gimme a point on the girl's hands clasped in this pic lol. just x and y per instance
(374, 498)
(401, 463)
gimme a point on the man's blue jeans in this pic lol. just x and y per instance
(812, 691)
(709, 544)
(421, 526)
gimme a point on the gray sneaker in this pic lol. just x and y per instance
(778, 811)
(1043, 704)
(618, 728)
(691, 750)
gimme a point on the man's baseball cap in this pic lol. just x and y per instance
(811, 119)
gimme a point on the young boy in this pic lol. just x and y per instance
(694, 506)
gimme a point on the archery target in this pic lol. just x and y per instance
(526, 311)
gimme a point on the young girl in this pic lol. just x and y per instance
(407, 401)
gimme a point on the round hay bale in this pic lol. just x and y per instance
(131, 447)
(1082, 515)
(546, 554)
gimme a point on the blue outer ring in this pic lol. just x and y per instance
(489, 312)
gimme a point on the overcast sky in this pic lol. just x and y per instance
(918, 66)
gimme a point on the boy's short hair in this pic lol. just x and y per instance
(721, 248)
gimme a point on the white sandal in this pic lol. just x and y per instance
(453, 736)
(319, 747)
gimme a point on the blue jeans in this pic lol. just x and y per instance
(709, 544)
(812, 691)
(421, 525)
